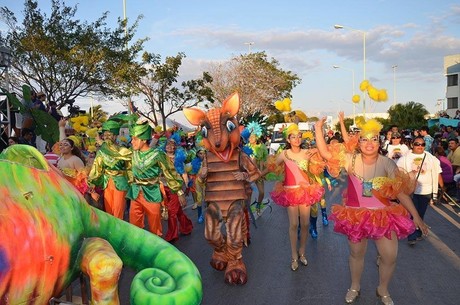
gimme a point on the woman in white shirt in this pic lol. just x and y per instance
(396, 150)
(426, 169)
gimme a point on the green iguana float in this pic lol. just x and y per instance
(45, 222)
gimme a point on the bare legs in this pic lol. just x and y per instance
(294, 213)
(356, 262)
(388, 251)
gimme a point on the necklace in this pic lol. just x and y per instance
(367, 184)
(361, 178)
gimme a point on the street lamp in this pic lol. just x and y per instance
(352, 90)
(340, 27)
(394, 83)
(130, 103)
(249, 46)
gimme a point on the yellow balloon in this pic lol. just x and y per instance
(373, 93)
(364, 85)
(383, 96)
(356, 98)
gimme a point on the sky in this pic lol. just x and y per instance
(405, 43)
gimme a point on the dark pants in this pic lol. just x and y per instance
(421, 204)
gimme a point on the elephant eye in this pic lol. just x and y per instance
(204, 132)
(230, 126)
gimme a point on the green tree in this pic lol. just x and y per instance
(159, 85)
(347, 121)
(67, 58)
(259, 81)
(410, 115)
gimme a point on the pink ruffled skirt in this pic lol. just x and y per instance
(304, 194)
(359, 223)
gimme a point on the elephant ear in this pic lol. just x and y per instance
(195, 116)
(231, 105)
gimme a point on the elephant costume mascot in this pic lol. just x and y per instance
(228, 172)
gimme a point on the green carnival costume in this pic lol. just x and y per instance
(110, 171)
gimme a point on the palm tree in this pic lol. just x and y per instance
(410, 115)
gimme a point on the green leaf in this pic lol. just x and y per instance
(46, 126)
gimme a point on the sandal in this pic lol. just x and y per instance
(294, 265)
(351, 296)
(303, 259)
(385, 299)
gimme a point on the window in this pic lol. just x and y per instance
(452, 80)
(452, 103)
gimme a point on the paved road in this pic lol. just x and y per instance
(428, 273)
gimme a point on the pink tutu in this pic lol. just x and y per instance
(305, 194)
(359, 223)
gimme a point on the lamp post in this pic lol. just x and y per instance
(352, 90)
(5, 63)
(339, 27)
(394, 83)
(130, 103)
(249, 46)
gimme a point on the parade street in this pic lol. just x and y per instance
(427, 273)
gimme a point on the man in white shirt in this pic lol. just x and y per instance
(426, 169)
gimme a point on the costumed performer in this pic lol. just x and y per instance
(259, 157)
(110, 170)
(297, 192)
(322, 203)
(227, 171)
(368, 212)
(176, 156)
(71, 162)
(197, 182)
(148, 164)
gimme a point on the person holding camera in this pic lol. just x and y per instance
(426, 169)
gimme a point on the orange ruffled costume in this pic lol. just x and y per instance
(299, 187)
(79, 178)
(376, 216)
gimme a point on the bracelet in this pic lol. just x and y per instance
(180, 193)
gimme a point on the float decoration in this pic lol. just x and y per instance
(44, 221)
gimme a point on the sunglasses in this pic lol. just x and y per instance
(395, 138)
(419, 144)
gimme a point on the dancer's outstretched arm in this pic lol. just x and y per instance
(320, 142)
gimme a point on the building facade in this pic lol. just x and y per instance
(452, 71)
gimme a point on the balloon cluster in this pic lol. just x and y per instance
(284, 105)
(378, 95)
(80, 123)
(291, 116)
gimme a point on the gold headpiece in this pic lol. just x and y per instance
(369, 128)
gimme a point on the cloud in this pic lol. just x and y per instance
(421, 49)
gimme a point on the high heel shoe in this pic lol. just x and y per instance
(294, 265)
(351, 296)
(303, 259)
(385, 299)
